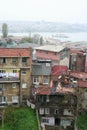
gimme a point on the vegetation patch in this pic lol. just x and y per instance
(82, 122)
(19, 119)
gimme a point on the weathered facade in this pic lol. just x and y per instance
(41, 70)
(64, 57)
(57, 105)
(77, 61)
(49, 52)
(82, 94)
(15, 75)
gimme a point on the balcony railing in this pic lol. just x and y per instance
(10, 79)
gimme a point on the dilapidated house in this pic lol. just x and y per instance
(77, 60)
(57, 105)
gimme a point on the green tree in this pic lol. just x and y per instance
(4, 30)
(41, 40)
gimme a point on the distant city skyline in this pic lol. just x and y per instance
(69, 11)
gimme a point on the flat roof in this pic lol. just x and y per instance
(51, 47)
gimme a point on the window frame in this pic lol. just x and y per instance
(37, 80)
(24, 84)
(14, 99)
(14, 60)
(24, 59)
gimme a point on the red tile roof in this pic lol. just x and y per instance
(79, 75)
(58, 70)
(82, 84)
(66, 90)
(75, 51)
(15, 52)
(45, 90)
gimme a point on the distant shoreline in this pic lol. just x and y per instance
(73, 37)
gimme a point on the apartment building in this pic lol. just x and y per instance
(49, 52)
(15, 75)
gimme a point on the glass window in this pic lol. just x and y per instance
(41, 111)
(24, 85)
(24, 72)
(55, 53)
(3, 60)
(4, 99)
(35, 80)
(14, 85)
(45, 120)
(15, 99)
(24, 59)
(2, 71)
(46, 80)
(56, 111)
(14, 71)
(14, 60)
(47, 98)
(47, 110)
(2, 87)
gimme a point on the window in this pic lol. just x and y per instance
(24, 59)
(47, 64)
(66, 123)
(40, 51)
(74, 57)
(35, 80)
(56, 111)
(14, 71)
(47, 98)
(46, 52)
(3, 60)
(14, 60)
(46, 80)
(4, 99)
(55, 53)
(67, 112)
(14, 99)
(45, 120)
(2, 87)
(24, 72)
(41, 111)
(14, 85)
(24, 85)
(46, 110)
(2, 71)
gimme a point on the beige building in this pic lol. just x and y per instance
(15, 74)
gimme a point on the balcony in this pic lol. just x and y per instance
(10, 80)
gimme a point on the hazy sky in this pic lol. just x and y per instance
(47, 10)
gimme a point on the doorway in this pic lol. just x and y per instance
(57, 121)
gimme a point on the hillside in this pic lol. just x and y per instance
(43, 26)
